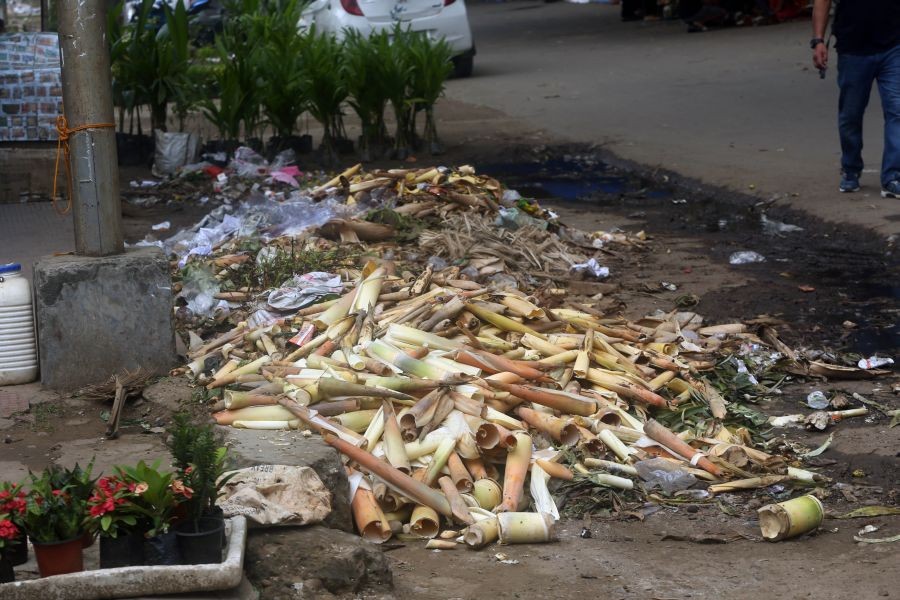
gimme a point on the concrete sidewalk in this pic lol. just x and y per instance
(738, 107)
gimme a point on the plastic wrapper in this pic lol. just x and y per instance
(513, 218)
(303, 290)
(664, 474)
(746, 257)
(592, 267)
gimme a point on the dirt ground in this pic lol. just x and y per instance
(691, 231)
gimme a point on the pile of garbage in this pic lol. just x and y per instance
(459, 397)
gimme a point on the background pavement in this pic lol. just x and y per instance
(738, 107)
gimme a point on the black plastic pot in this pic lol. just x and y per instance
(218, 515)
(201, 541)
(134, 150)
(124, 551)
(162, 550)
(343, 146)
(17, 554)
(7, 574)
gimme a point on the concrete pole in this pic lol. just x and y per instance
(87, 99)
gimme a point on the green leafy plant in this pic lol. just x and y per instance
(111, 507)
(158, 494)
(430, 66)
(368, 94)
(324, 87)
(396, 74)
(279, 66)
(52, 514)
(200, 461)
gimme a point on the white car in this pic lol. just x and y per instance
(438, 18)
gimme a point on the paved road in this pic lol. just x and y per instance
(737, 107)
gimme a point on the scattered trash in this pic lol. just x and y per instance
(662, 473)
(668, 286)
(792, 518)
(820, 449)
(817, 400)
(873, 362)
(592, 267)
(773, 227)
(746, 257)
(164, 226)
(276, 495)
(887, 540)
(867, 529)
(303, 290)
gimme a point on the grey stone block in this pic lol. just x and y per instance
(248, 448)
(100, 316)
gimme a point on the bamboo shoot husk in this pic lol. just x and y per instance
(457, 505)
(526, 528)
(482, 533)
(439, 460)
(441, 545)
(501, 322)
(371, 522)
(357, 421)
(556, 470)
(659, 433)
(424, 522)
(475, 466)
(560, 430)
(493, 435)
(275, 425)
(406, 485)
(394, 450)
(517, 463)
(610, 466)
(253, 413)
(230, 377)
(557, 400)
(487, 493)
(459, 474)
(625, 388)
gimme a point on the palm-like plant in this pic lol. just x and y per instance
(324, 87)
(367, 87)
(396, 74)
(430, 65)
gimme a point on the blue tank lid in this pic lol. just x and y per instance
(10, 268)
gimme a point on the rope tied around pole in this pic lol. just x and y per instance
(62, 148)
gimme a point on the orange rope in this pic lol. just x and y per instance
(62, 147)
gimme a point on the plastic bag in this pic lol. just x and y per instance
(174, 150)
(513, 218)
(746, 257)
(198, 285)
(303, 290)
(592, 267)
(664, 474)
(248, 163)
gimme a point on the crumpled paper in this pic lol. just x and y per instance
(592, 267)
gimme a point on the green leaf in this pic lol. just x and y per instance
(105, 522)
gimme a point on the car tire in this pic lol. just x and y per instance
(463, 66)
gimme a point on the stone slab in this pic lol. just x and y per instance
(248, 448)
(99, 316)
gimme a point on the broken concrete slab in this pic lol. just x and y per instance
(99, 316)
(248, 448)
(285, 561)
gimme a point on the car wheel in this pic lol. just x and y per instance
(463, 65)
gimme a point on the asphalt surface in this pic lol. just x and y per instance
(739, 107)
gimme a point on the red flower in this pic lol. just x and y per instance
(5, 495)
(8, 530)
(97, 511)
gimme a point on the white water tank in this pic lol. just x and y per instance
(18, 346)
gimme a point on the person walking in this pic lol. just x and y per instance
(868, 49)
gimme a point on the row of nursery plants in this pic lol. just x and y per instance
(142, 514)
(262, 75)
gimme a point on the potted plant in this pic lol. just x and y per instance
(201, 462)
(13, 504)
(113, 514)
(160, 494)
(9, 536)
(53, 519)
(80, 486)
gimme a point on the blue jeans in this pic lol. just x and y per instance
(856, 73)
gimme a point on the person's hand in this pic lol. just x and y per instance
(820, 56)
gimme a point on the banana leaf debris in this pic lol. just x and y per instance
(473, 397)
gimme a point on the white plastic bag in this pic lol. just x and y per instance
(174, 149)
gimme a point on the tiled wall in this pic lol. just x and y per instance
(30, 87)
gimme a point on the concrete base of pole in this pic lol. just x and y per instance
(100, 316)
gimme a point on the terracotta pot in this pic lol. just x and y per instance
(57, 558)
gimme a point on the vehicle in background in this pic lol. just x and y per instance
(445, 19)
